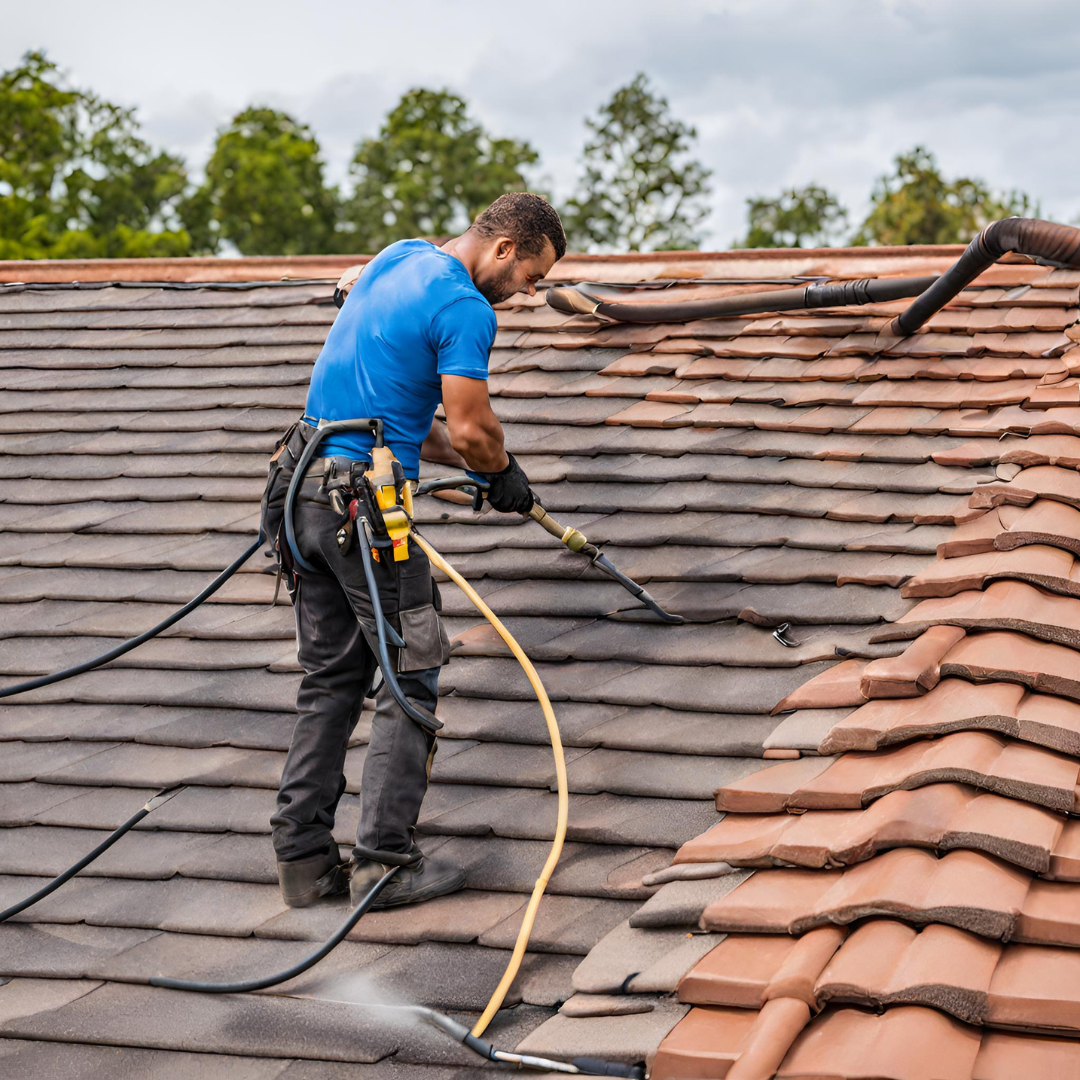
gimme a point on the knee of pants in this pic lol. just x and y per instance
(419, 686)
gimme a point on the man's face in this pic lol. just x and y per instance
(505, 272)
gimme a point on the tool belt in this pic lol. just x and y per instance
(375, 489)
(380, 493)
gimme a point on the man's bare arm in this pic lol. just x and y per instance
(474, 429)
(437, 448)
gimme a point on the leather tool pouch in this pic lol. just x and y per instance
(426, 643)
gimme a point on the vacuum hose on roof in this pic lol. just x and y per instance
(575, 301)
(146, 635)
(1045, 241)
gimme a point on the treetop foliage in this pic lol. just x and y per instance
(78, 180)
(809, 216)
(264, 190)
(917, 205)
(639, 189)
(430, 171)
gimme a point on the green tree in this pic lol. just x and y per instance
(264, 189)
(639, 189)
(429, 172)
(917, 205)
(76, 178)
(810, 214)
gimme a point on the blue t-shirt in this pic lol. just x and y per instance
(413, 316)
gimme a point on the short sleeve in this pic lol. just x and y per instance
(462, 334)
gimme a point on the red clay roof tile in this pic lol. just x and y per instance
(915, 670)
(962, 888)
(943, 816)
(856, 779)
(835, 687)
(885, 962)
(1002, 656)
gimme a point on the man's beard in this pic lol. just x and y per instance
(497, 289)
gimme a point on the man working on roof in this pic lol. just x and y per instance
(415, 330)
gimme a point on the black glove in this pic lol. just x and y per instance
(508, 491)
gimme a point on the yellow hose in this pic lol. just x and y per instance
(524, 933)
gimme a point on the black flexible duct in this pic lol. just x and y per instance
(159, 799)
(298, 968)
(1046, 241)
(575, 301)
(146, 635)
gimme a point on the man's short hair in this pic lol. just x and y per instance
(526, 218)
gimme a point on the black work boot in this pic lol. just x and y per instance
(423, 881)
(303, 881)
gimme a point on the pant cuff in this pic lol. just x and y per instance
(389, 858)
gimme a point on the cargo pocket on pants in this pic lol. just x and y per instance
(426, 644)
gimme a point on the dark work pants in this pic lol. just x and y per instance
(336, 635)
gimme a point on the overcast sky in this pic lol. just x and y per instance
(782, 92)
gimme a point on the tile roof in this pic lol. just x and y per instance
(909, 507)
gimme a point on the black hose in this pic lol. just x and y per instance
(1058, 245)
(425, 719)
(298, 968)
(375, 427)
(159, 799)
(575, 301)
(146, 635)
(448, 483)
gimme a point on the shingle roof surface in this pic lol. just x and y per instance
(802, 468)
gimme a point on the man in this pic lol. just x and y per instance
(415, 330)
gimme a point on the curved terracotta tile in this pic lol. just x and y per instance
(944, 816)
(769, 1040)
(1003, 605)
(953, 705)
(885, 962)
(855, 779)
(914, 671)
(775, 900)
(1004, 1056)
(1045, 481)
(738, 972)
(963, 889)
(1063, 450)
(831, 689)
(1044, 522)
(800, 969)
(1038, 564)
(905, 1043)
(1036, 987)
(768, 790)
(1003, 656)
(748, 838)
(704, 1044)
(1050, 915)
